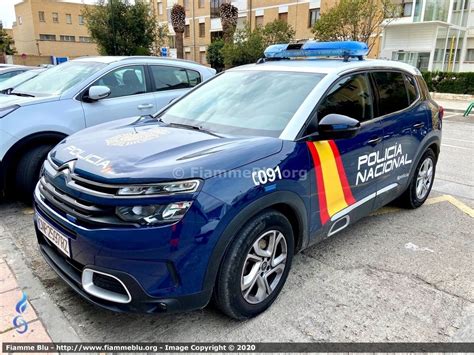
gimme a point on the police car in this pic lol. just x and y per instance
(214, 195)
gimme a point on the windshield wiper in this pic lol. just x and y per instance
(24, 94)
(195, 128)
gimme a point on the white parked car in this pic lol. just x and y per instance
(81, 93)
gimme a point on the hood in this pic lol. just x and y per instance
(142, 151)
(10, 100)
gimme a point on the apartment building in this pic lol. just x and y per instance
(432, 35)
(51, 28)
(203, 23)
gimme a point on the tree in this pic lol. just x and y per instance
(121, 28)
(278, 31)
(214, 54)
(248, 45)
(6, 42)
(161, 38)
(178, 21)
(229, 15)
(355, 20)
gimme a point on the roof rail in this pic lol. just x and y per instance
(344, 49)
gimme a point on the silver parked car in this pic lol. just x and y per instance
(81, 93)
(8, 71)
(7, 86)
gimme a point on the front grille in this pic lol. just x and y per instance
(108, 283)
(60, 193)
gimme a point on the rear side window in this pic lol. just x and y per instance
(411, 88)
(350, 96)
(172, 78)
(391, 92)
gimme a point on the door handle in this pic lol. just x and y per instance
(374, 141)
(418, 125)
(144, 106)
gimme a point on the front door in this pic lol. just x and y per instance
(129, 96)
(345, 182)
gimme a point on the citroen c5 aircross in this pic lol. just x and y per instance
(213, 196)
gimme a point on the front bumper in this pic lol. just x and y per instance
(165, 277)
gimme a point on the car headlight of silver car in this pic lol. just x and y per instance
(6, 110)
(166, 188)
(154, 214)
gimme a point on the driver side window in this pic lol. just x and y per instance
(350, 96)
(124, 81)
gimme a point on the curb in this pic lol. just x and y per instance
(56, 324)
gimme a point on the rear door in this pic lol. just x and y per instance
(404, 122)
(170, 82)
(130, 95)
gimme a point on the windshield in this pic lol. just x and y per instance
(56, 80)
(254, 103)
(20, 78)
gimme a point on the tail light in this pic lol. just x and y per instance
(441, 112)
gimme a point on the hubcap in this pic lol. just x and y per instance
(263, 266)
(424, 178)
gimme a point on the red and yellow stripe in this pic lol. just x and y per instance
(334, 192)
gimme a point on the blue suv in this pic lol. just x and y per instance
(213, 196)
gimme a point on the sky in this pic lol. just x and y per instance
(7, 10)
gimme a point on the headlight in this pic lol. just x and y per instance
(154, 214)
(165, 188)
(6, 110)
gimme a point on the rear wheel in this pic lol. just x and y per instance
(256, 266)
(421, 183)
(28, 170)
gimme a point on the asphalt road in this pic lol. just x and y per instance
(398, 276)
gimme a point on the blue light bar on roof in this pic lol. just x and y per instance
(346, 49)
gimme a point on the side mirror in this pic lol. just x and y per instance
(335, 126)
(97, 93)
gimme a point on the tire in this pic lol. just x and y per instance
(412, 199)
(28, 170)
(229, 295)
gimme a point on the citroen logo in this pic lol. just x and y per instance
(66, 169)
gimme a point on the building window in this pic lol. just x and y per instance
(314, 15)
(68, 19)
(215, 8)
(55, 17)
(283, 16)
(470, 55)
(66, 38)
(160, 8)
(41, 16)
(202, 29)
(202, 57)
(201, 4)
(186, 31)
(20, 20)
(258, 21)
(407, 8)
(81, 19)
(44, 37)
(85, 39)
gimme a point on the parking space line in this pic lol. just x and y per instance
(455, 146)
(454, 201)
(431, 201)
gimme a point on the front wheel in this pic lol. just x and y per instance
(256, 266)
(421, 183)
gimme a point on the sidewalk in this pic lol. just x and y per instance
(32, 329)
(453, 103)
(38, 318)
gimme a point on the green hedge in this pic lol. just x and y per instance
(452, 83)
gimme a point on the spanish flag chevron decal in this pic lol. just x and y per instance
(334, 192)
